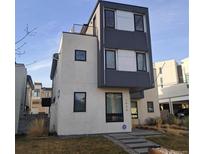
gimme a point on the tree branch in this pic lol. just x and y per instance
(27, 34)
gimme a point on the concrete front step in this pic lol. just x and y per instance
(127, 141)
(122, 136)
(141, 151)
(145, 134)
(147, 144)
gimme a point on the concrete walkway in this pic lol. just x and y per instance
(134, 142)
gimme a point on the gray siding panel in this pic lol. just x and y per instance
(119, 39)
(139, 80)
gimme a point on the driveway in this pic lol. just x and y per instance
(134, 142)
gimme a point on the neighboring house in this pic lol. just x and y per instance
(185, 69)
(29, 88)
(23, 93)
(173, 84)
(101, 70)
(20, 91)
(38, 93)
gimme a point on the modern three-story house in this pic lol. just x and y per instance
(100, 70)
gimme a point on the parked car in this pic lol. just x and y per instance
(182, 113)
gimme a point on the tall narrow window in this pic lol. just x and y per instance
(161, 82)
(110, 59)
(109, 19)
(160, 70)
(150, 107)
(139, 24)
(79, 101)
(141, 62)
(134, 111)
(114, 107)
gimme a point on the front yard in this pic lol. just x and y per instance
(56, 145)
(170, 141)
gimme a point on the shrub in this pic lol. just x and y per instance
(185, 122)
(150, 121)
(164, 116)
(158, 122)
(37, 128)
(171, 119)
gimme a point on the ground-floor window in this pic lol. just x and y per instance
(134, 110)
(150, 107)
(114, 107)
(79, 101)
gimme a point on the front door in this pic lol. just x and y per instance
(134, 113)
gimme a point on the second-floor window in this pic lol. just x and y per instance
(160, 70)
(80, 55)
(109, 19)
(110, 59)
(139, 24)
(36, 93)
(141, 62)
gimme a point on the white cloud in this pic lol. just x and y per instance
(39, 65)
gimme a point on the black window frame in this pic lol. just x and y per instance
(106, 26)
(74, 108)
(77, 50)
(142, 22)
(114, 114)
(148, 106)
(144, 54)
(109, 50)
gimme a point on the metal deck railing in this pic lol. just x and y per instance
(83, 29)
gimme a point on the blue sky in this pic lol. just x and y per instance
(168, 23)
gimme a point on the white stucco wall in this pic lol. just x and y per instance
(178, 92)
(169, 72)
(150, 95)
(185, 68)
(78, 76)
(20, 91)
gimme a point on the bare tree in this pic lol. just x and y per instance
(19, 43)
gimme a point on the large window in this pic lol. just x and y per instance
(36, 93)
(134, 111)
(80, 55)
(141, 62)
(109, 19)
(114, 107)
(150, 107)
(110, 59)
(79, 101)
(139, 24)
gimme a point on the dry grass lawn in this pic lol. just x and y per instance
(172, 142)
(55, 145)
